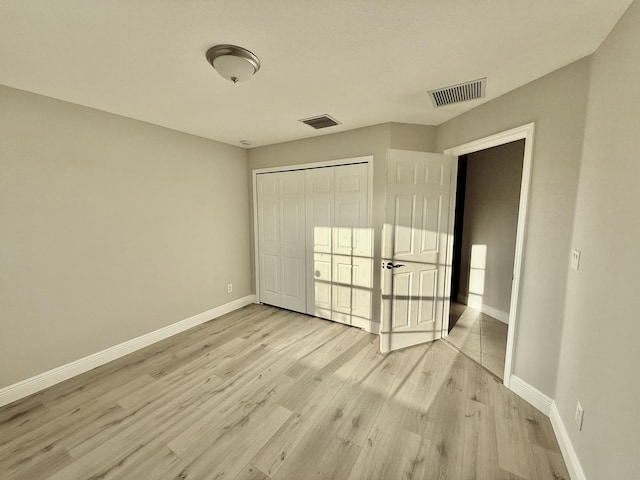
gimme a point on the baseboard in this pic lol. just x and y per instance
(486, 309)
(568, 452)
(530, 394)
(47, 379)
(548, 406)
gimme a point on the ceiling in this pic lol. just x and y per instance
(364, 62)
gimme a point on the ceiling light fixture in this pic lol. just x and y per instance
(233, 63)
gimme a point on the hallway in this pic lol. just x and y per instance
(479, 336)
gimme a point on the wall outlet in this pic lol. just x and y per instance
(579, 417)
(575, 259)
(229, 287)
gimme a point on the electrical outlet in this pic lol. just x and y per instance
(575, 259)
(229, 287)
(579, 417)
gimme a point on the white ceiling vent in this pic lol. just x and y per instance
(321, 121)
(459, 93)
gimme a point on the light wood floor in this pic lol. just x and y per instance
(264, 393)
(479, 336)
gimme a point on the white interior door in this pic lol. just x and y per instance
(416, 236)
(281, 239)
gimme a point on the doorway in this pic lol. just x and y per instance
(486, 218)
(526, 134)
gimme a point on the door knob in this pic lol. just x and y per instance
(390, 265)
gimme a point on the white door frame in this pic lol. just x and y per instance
(303, 166)
(523, 132)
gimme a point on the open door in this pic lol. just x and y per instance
(417, 235)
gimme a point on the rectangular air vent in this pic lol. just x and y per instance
(321, 121)
(458, 93)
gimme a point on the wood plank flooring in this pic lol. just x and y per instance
(263, 393)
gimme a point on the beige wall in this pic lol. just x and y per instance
(557, 105)
(491, 218)
(599, 355)
(375, 141)
(420, 138)
(111, 228)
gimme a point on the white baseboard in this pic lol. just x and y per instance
(548, 406)
(486, 309)
(568, 452)
(44, 380)
(531, 394)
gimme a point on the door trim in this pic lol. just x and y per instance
(368, 159)
(525, 132)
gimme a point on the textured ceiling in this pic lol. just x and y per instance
(363, 62)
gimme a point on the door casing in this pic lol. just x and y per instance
(525, 132)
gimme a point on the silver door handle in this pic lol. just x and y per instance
(390, 265)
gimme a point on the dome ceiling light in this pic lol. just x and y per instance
(233, 63)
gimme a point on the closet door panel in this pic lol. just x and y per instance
(353, 246)
(319, 184)
(281, 239)
(268, 189)
(362, 287)
(293, 235)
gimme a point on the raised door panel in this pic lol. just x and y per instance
(321, 284)
(270, 281)
(427, 294)
(353, 247)
(401, 288)
(352, 289)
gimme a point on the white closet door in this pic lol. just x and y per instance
(293, 241)
(268, 193)
(352, 275)
(315, 243)
(339, 249)
(281, 237)
(320, 214)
